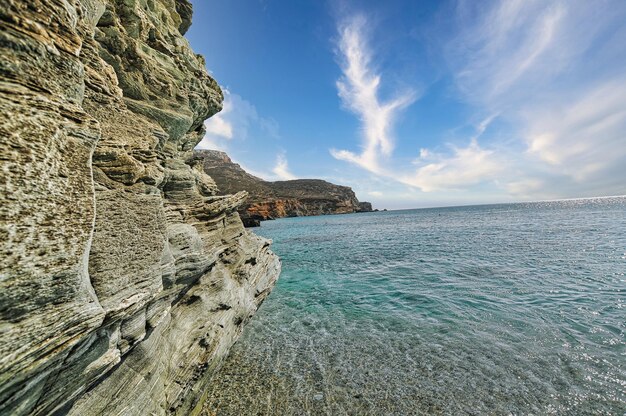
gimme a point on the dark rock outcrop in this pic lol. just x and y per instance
(268, 200)
(124, 276)
(365, 207)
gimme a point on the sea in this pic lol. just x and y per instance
(512, 309)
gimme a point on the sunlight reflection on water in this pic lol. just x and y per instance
(501, 309)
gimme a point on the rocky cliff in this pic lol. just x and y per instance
(267, 200)
(124, 276)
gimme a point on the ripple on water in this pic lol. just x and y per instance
(502, 309)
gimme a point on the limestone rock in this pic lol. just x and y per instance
(268, 200)
(124, 277)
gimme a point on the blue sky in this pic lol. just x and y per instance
(422, 103)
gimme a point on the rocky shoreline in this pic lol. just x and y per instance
(270, 200)
(125, 277)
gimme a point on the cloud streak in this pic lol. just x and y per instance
(359, 90)
(504, 43)
(550, 72)
(554, 70)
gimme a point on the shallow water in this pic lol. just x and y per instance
(500, 309)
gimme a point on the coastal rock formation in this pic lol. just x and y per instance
(365, 207)
(268, 200)
(124, 276)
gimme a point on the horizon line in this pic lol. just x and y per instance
(509, 203)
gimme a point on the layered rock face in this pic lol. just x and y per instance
(267, 200)
(124, 276)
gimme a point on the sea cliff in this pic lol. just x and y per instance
(124, 277)
(269, 200)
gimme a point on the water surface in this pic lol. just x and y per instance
(499, 309)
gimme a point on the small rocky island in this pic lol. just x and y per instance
(270, 200)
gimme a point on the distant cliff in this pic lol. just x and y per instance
(267, 200)
(124, 277)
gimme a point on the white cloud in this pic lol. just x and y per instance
(281, 169)
(509, 43)
(240, 121)
(236, 120)
(465, 167)
(375, 193)
(219, 125)
(583, 137)
(553, 70)
(279, 172)
(483, 125)
(359, 91)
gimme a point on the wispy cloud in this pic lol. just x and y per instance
(281, 169)
(359, 90)
(501, 43)
(279, 172)
(466, 166)
(584, 137)
(236, 120)
(551, 73)
(555, 71)
(220, 125)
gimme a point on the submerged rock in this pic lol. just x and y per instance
(124, 277)
(269, 200)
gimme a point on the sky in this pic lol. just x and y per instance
(417, 103)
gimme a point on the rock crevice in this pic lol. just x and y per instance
(124, 276)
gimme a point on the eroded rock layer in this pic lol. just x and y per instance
(268, 200)
(124, 277)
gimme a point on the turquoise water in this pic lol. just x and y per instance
(500, 309)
